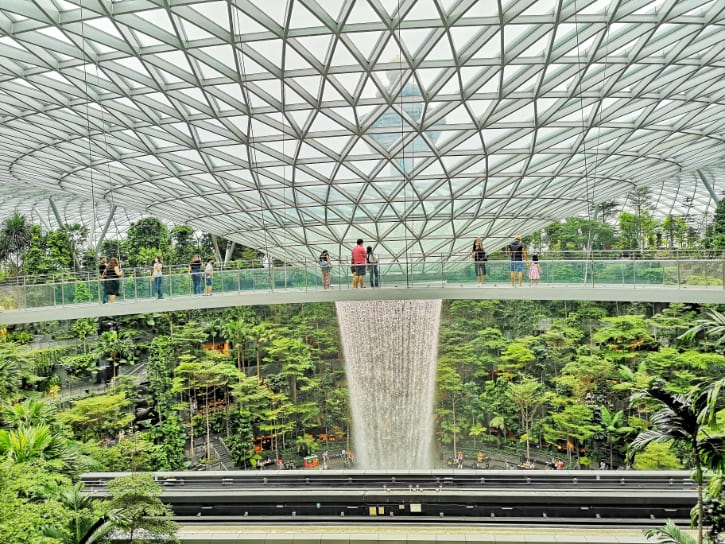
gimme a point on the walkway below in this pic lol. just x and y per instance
(418, 291)
(418, 533)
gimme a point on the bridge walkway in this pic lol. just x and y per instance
(686, 281)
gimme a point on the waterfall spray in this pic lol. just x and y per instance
(390, 349)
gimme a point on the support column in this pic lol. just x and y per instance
(56, 213)
(231, 246)
(102, 236)
(708, 183)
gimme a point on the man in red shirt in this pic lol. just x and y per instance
(359, 262)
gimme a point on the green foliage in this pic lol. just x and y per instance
(715, 235)
(579, 234)
(669, 534)
(657, 456)
(98, 417)
(686, 420)
(142, 515)
(145, 239)
(24, 508)
(14, 240)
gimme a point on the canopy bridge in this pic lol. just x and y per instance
(624, 280)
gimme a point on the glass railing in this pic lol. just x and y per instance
(432, 272)
(65, 276)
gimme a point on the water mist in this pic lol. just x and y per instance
(390, 349)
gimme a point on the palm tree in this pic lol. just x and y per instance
(28, 412)
(15, 363)
(712, 324)
(261, 334)
(613, 425)
(669, 534)
(682, 419)
(28, 443)
(238, 333)
(14, 240)
(83, 527)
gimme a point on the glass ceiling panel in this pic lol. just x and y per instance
(474, 138)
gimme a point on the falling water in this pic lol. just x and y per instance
(390, 349)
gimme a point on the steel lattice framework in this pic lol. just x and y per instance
(293, 125)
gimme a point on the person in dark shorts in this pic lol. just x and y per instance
(359, 264)
(517, 252)
(195, 268)
(479, 260)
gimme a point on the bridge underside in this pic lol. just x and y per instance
(709, 295)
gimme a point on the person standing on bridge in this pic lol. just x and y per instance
(101, 275)
(208, 277)
(113, 283)
(534, 270)
(517, 252)
(373, 267)
(359, 264)
(326, 269)
(195, 271)
(479, 260)
(158, 275)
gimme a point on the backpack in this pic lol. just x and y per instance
(324, 263)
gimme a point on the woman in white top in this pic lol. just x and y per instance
(158, 275)
(208, 277)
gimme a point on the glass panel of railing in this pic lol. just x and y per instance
(701, 273)
(426, 273)
(11, 297)
(35, 296)
(648, 273)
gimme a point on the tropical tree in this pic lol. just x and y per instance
(28, 443)
(712, 324)
(686, 420)
(140, 510)
(148, 236)
(15, 362)
(27, 413)
(238, 332)
(86, 525)
(528, 395)
(82, 329)
(261, 334)
(98, 417)
(613, 425)
(669, 534)
(14, 240)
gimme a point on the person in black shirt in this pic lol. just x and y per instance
(479, 260)
(517, 251)
(195, 268)
(102, 276)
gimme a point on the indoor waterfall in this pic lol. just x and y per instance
(390, 349)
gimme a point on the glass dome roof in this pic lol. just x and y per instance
(297, 125)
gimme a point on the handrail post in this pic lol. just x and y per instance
(307, 282)
(62, 292)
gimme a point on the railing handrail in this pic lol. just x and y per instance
(63, 275)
